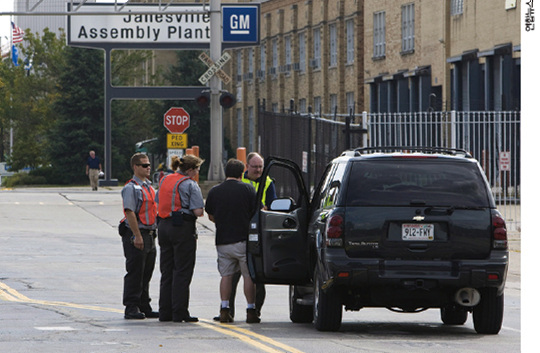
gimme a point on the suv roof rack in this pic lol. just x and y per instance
(424, 149)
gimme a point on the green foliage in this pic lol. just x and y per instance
(27, 99)
(79, 111)
(23, 179)
(57, 113)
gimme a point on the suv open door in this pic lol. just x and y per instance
(278, 245)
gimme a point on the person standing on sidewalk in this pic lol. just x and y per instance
(138, 230)
(230, 206)
(93, 168)
(180, 202)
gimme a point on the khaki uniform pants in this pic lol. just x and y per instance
(93, 175)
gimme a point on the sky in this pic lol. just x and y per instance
(5, 28)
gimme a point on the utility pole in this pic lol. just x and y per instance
(216, 171)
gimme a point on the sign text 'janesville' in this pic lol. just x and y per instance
(141, 24)
(158, 27)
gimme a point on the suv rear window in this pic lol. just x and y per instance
(402, 182)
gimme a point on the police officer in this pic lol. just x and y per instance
(138, 231)
(180, 202)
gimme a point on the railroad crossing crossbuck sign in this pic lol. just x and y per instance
(220, 73)
(214, 68)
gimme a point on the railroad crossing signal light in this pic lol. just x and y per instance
(227, 100)
(203, 100)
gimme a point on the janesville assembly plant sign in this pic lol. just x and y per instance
(148, 25)
(174, 26)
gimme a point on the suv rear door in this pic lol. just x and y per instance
(418, 209)
(278, 246)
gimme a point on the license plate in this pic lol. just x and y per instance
(417, 232)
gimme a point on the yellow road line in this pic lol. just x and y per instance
(263, 338)
(259, 341)
(244, 338)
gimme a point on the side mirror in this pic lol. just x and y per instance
(283, 205)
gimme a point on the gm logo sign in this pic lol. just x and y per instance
(240, 24)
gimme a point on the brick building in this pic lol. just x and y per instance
(377, 56)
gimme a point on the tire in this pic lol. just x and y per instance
(488, 314)
(327, 308)
(300, 314)
(451, 315)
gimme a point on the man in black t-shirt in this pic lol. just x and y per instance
(230, 206)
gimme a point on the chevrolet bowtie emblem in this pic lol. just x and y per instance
(418, 218)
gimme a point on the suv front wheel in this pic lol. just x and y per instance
(488, 314)
(327, 308)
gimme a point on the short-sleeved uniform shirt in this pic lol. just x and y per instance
(190, 196)
(132, 198)
(232, 204)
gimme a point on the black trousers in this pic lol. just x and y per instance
(178, 245)
(139, 267)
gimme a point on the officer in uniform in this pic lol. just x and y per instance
(180, 202)
(138, 230)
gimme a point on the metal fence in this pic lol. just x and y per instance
(493, 138)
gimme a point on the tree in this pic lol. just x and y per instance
(79, 107)
(80, 126)
(30, 96)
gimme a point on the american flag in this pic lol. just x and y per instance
(18, 33)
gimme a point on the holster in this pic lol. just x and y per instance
(123, 229)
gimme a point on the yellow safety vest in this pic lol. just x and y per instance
(256, 186)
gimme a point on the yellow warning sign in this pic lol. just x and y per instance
(175, 141)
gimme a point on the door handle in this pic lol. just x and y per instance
(289, 223)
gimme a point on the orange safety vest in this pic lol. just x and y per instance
(169, 198)
(148, 211)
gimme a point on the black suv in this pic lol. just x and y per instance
(402, 228)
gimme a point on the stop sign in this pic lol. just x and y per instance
(176, 120)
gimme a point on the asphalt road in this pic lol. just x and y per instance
(61, 270)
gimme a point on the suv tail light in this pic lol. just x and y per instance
(500, 239)
(334, 231)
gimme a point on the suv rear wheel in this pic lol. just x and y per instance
(327, 309)
(451, 315)
(488, 314)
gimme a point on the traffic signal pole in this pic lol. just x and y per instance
(216, 171)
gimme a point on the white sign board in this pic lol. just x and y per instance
(504, 161)
(156, 26)
(304, 161)
(174, 152)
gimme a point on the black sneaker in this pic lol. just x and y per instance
(134, 315)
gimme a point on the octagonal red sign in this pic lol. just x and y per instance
(176, 120)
